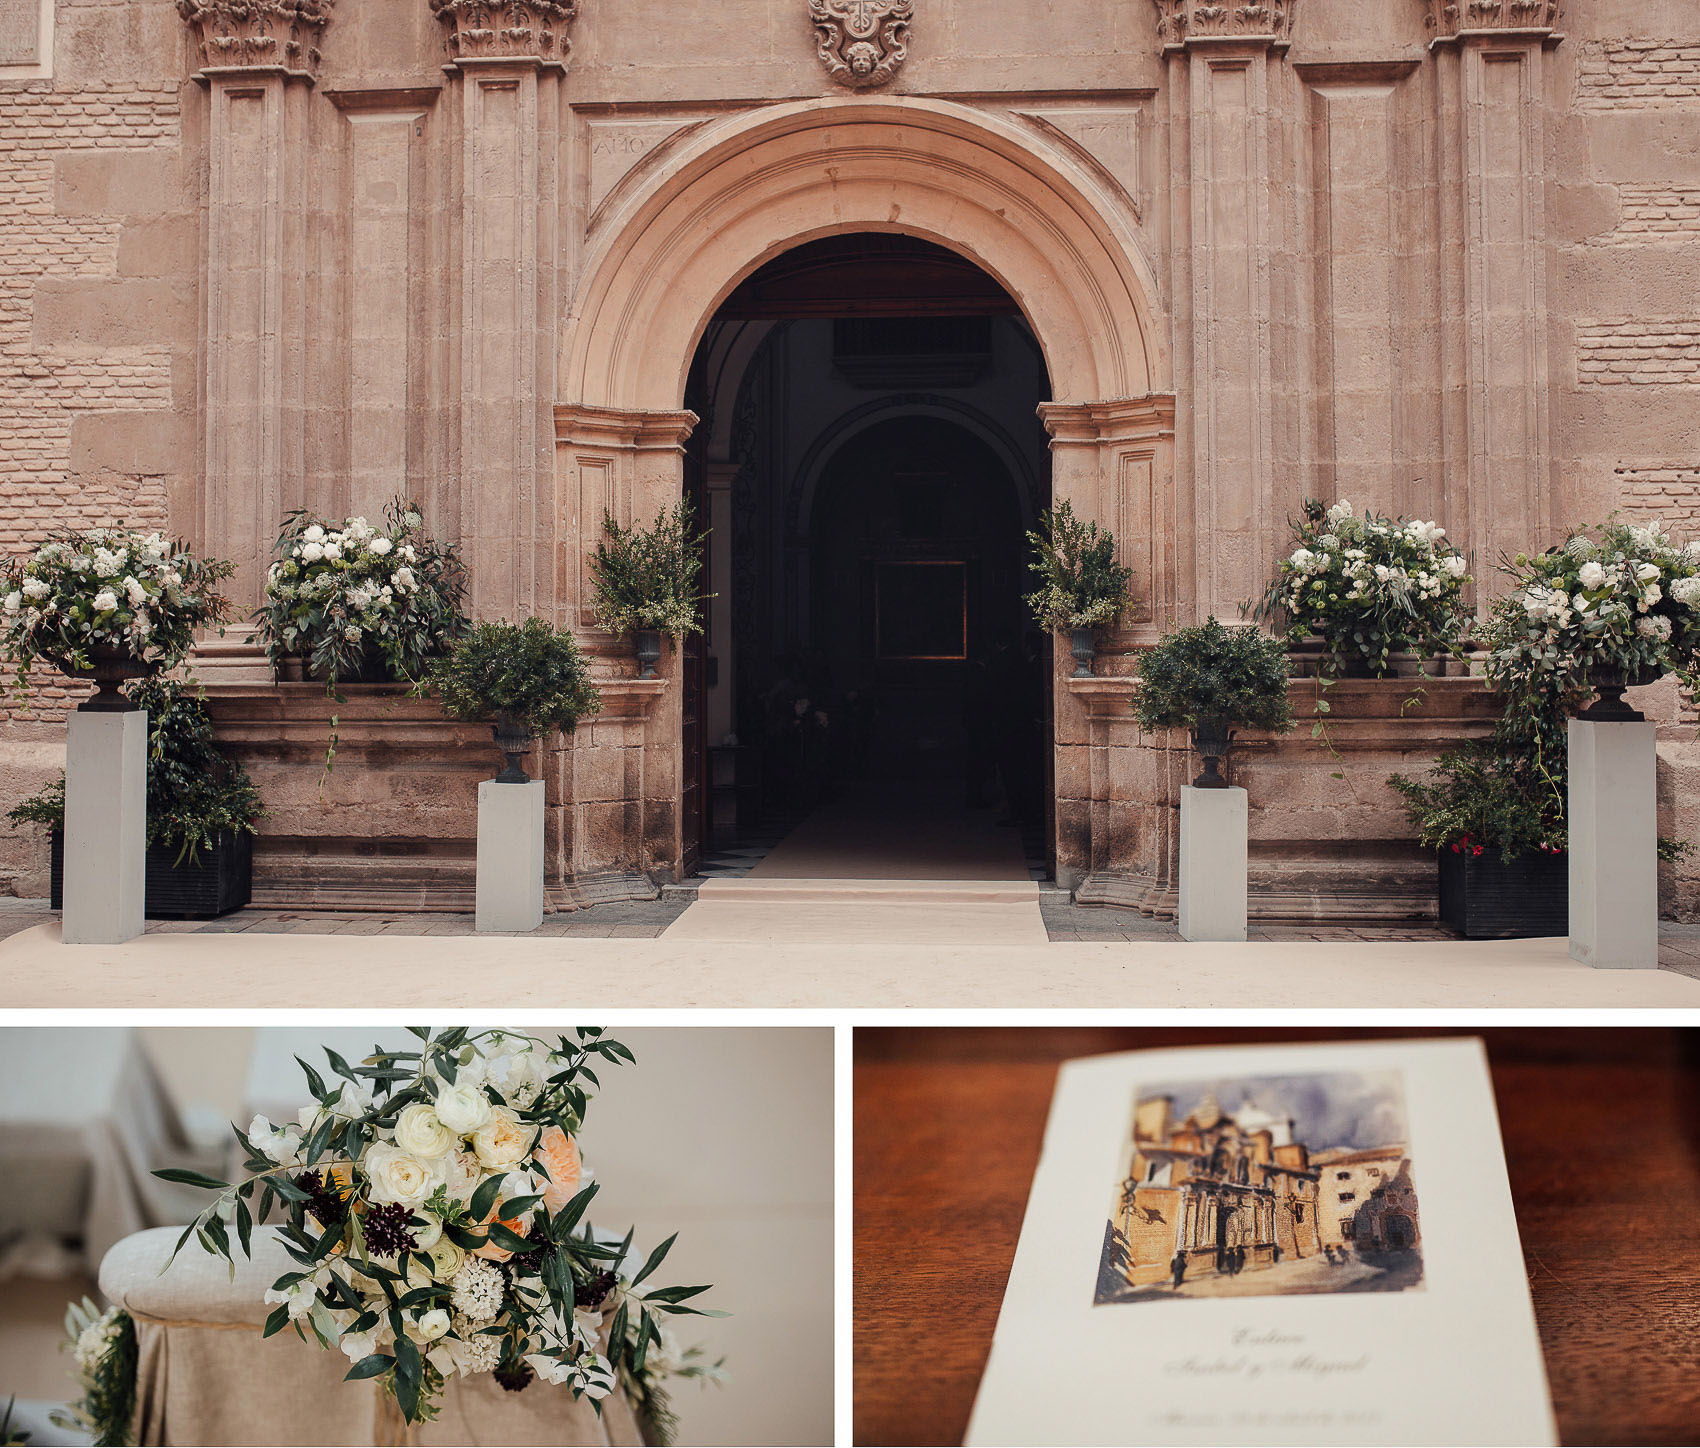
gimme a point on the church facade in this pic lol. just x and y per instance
(872, 282)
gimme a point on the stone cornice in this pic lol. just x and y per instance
(1120, 419)
(617, 427)
(1185, 23)
(507, 29)
(1449, 20)
(277, 35)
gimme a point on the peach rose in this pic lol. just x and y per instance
(557, 1154)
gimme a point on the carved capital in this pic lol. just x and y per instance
(1182, 23)
(1448, 19)
(281, 34)
(862, 43)
(507, 29)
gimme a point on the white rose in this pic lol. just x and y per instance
(503, 1140)
(461, 1174)
(379, 546)
(13, 600)
(1646, 572)
(419, 1131)
(135, 593)
(312, 552)
(105, 601)
(313, 533)
(333, 551)
(463, 1108)
(395, 1175)
(404, 579)
(1454, 565)
(1591, 575)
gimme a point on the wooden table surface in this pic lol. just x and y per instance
(1602, 1140)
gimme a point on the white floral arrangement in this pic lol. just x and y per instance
(134, 596)
(1628, 605)
(1369, 587)
(351, 596)
(103, 1346)
(434, 1203)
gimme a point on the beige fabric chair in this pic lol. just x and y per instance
(205, 1375)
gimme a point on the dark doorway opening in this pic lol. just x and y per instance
(871, 690)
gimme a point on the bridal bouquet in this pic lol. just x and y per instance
(106, 591)
(350, 597)
(1369, 587)
(434, 1204)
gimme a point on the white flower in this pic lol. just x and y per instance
(312, 552)
(419, 1131)
(1646, 572)
(433, 1324)
(379, 546)
(1581, 602)
(446, 1258)
(504, 1140)
(461, 1174)
(1302, 560)
(105, 601)
(313, 533)
(1686, 591)
(333, 551)
(475, 1352)
(1340, 511)
(1454, 564)
(35, 588)
(404, 579)
(1651, 595)
(106, 564)
(358, 1345)
(463, 1107)
(1656, 626)
(1591, 575)
(394, 1175)
(276, 1143)
(477, 1291)
(13, 600)
(300, 1297)
(135, 592)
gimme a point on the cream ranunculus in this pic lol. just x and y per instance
(446, 1259)
(463, 1108)
(422, 1132)
(395, 1175)
(504, 1140)
(427, 1231)
(433, 1324)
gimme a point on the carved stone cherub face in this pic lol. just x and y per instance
(862, 56)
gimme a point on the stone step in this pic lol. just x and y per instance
(751, 890)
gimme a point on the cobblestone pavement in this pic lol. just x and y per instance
(1388, 1273)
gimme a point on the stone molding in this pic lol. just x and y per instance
(622, 427)
(1448, 20)
(1121, 419)
(862, 43)
(507, 29)
(1184, 23)
(249, 34)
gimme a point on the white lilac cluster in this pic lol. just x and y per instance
(1629, 602)
(414, 1183)
(97, 1339)
(137, 594)
(1384, 584)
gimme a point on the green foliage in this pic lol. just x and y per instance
(140, 596)
(10, 1432)
(195, 793)
(647, 578)
(1368, 587)
(104, 1345)
(347, 596)
(1080, 583)
(532, 672)
(1211, 674)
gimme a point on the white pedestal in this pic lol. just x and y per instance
(510, 856)
(1614, 845)
(106, 827)
(1213, 863)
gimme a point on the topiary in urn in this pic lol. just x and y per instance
(524, 679)
(1213, 680)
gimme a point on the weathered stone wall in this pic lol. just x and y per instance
(1446, 274)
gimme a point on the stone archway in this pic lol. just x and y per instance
(710, 208)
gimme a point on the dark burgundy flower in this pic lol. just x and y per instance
(513, 1374)
(593, 1292)
(389, 1230)
(327, 1204)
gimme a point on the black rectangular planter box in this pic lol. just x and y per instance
(1484, 898)
(217, 881)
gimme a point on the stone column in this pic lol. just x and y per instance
(1114, 461)
(616, 811)
(258, 59)
(506, 65)
(1492, 132)
(1226, 79)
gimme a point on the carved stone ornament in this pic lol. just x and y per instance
(1180, 22)
(284, 33)
(1447, 18)
(507, 29)
(862, 43)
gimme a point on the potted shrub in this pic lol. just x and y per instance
(202, 811)
(1369, 589)
(1082, 588)
(1598, 618)
(107, 604)
(1213, 680)
(523, 679)
(348, 602)
(647, 582)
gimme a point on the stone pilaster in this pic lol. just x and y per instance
(505, 66)
(1226, 75)
(258, 60)
(1494, 249)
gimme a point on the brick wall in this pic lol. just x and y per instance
(1618, 73)
(1656, 214)
(1666, 491)
(1638, 351)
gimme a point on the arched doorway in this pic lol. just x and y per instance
(674, 241)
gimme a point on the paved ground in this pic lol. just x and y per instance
(1293, 1276)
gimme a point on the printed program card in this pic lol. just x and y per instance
(1269, 1244)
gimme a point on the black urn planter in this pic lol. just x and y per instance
(218, 880)
(1484, 897)
(1083, 644)
(648, 642)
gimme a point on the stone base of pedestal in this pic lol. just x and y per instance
(510, 856)
(106, 827)
(1614, 845)
(1213, 864)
